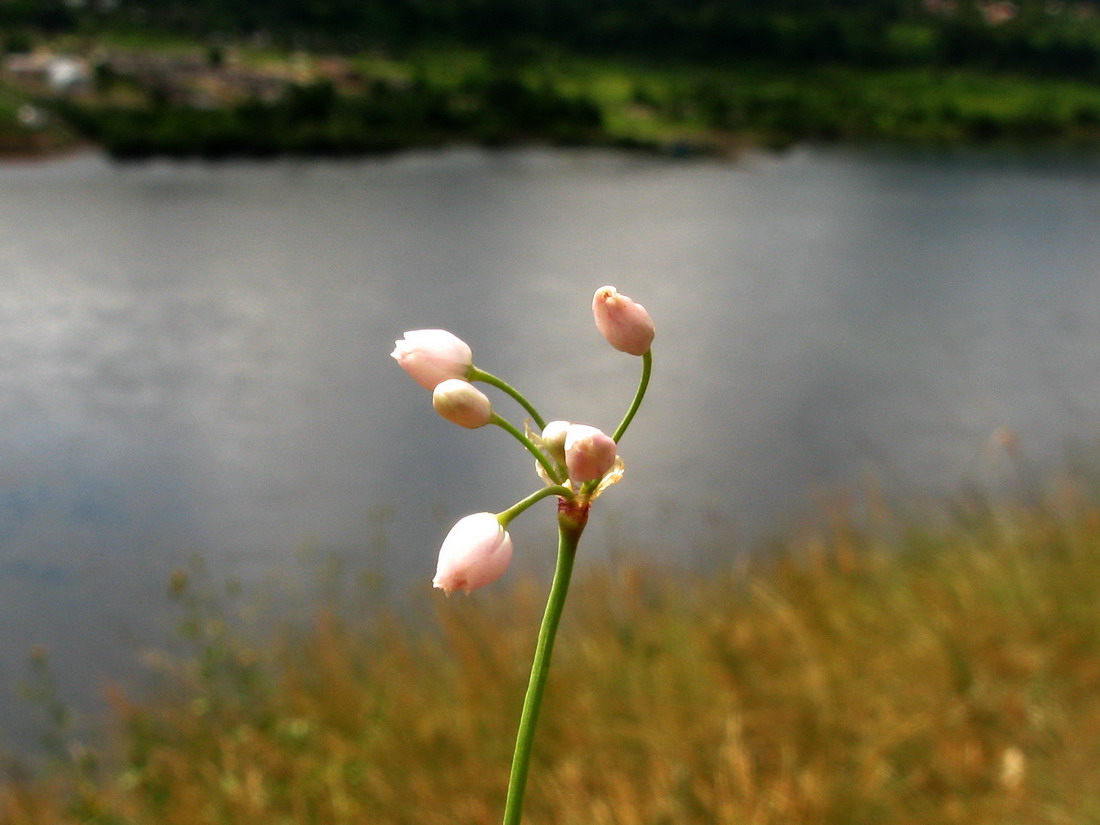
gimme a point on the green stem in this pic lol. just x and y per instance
(647, 367)
(571, 519)
(476, 374)
(539, 455)
(506, 516)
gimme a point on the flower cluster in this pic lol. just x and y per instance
(576, 461)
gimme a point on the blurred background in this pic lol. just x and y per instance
(866, 233)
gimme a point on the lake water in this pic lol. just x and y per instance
(194, 360)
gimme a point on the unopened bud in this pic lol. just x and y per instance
(462, 403)
(553, 438)
(475, 553)
(431, 356)
(589, 453)
(625, 324)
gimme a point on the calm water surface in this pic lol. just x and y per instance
(194, 360)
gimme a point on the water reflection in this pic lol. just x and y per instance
(194, 359)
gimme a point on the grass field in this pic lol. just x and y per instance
(885, 671)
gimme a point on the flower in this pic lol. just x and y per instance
(475, 553)
(431, 356)
(625, 324)
(553, 439)
(589, 453)
(462, 403)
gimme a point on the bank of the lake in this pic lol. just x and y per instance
(440, 97)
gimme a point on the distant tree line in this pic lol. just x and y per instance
(1038, 36)
(314, 119)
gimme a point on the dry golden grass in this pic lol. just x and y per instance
(889, 674)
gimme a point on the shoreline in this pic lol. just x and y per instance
(675, 111)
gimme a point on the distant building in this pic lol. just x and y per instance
(66, 74)
(61, 73)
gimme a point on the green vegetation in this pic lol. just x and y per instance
(719, 108)
(440, 97)
(1027, 35)
(313, 119)
(348, 77)
(868, 672)
(25, 130)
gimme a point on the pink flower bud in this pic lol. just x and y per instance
(589, 453)
(475, 553)
(433, 355)
(625, 324)
(553, 438)
(462, 403)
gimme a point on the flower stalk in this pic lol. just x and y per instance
(643, 385)
(572, 517)
(539, 455)
(476, 374)
(517, 508)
